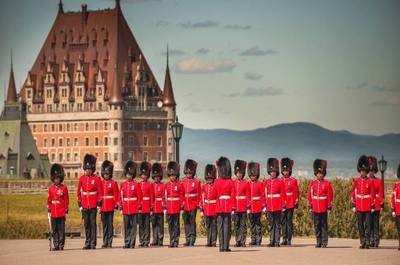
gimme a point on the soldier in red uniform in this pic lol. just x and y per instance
(209, 205)
(363, 200)
(157, 219)
(90, 195)
(147, 204)
(174, 196)
(130, 204)
(242, 190)
(110, 202)
(225, 188)
(192, 200)
(275, 200)
(57, 206)
(379, 202)
(292, 199)
(256, 203)
(319, 198)
(395, 202)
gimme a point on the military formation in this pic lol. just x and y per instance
(220, 201)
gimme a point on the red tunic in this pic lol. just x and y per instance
(192, 189)
(131, 197)
(379, 195)
(159, 197)
(275, 194)
(110, 195)
(58, 200)
(292, 192)
(90, 191)
(242, 190)
(225, 189)
(320, 196)
(363, 194)
(396, 198)
(257, 196)
(174, 196)
(148, 196)
(209, 199)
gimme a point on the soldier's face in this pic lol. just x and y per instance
(285, 173)
(129, 177)
(363, 173)
(106, 176)
(157, 179)
(143, 176)
(253, 178)
(189, 175)
(88, 172)
(239, 175)
(273, 174)
(371, 174)
(57, 180)
(210, 180)
(172, 177)
(320, 175)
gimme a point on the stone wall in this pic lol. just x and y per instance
(32, 186)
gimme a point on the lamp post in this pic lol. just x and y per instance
(382, 164)
(177, 130)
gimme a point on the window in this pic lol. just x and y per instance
(116, 126)
(115, 141)
(115, 156)
(75, 126)
(100, 106)
(79, 91)
(60, 142)
(169, 141)
(60, 157)
(96, 141)
(45, 142)
(130, 155)
(159, 141)
(49, 93)
(75, 141)
(145, 156)
(53, 157)
(68, 142)
(145, 126)
(45, 127)
(53, 128)
(106, 126)
(79, 106)
(130, 140)
(64, 107)
(76, 157)
(53, 142)
(68, 157)
(64, 92)
(96, 126)
(100, 91)
(105, 141)
(49, 108)
(68, 127)
(28, 94)
(105, 156)
(87, 126)
(87, 141)
(158, 126)
(170, 156)
(60, 127)
(158, 156)
(130, 126)
(145, 141)
(34, 128)
(76, 175)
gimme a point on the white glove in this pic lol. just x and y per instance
(248, 211)
(80, 209)
(201, 213)
(181, 211)
(354, 209)
(372, 210)
(98, 209)
(264, 210)
(283, 209)
(393, 214)
(151, 213)
(233, 212)
(164, 211)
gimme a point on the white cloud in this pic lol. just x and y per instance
(198, 66)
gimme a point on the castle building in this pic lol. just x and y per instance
(91, 90)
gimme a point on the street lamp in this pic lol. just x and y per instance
(382, 164)
(177, 130)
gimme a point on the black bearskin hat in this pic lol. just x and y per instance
(107, 168)
(224, 168)
(253, 169)
(210, 172)
(287, 164)
(57, 170)
(240, 166)
(173, 169)
(320, 165)
(190, 167)
(373, 164)
(89, 162)
(145, 168)
(273, 165)
(362, 163)
(156, 170)
(130, 168)
(398, 172)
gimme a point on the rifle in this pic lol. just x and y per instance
(50, 232)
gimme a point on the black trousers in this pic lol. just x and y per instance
(107, 218)
(374, 233)
(241, 227)
(211, 225)
(157, 225)
(189, 218)
(174, 228)
(224, 224)
(397, 221)
(58, 231)
(144, 228)
(274, 220)
(321, 227)
(287, 224)
(130, 228)
(89, 221)
(255, 228)
(364, 226)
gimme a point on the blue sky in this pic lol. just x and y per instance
(250, 64)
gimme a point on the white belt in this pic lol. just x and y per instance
(273, 195)
(210, 201)
(108, 197)
(363, 196)
(289, 193)
(320, 197)
(130, 199)
(241, 197)
(257, 198)
(145, 198)
(55, 202)
(158, 199)
(224, 197)
(191, 195)
(377, 196)
(173, 199)
(397, 200)
(89, 193)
